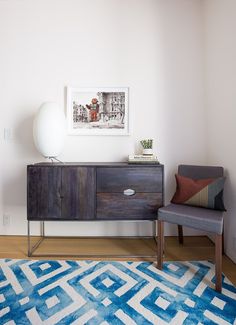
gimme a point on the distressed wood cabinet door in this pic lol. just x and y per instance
(78, 193)
(44, 197)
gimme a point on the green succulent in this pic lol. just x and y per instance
(147, 143)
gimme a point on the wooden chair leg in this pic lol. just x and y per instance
(160, 244)
(218, 262)
(180, 234)
(223, 243)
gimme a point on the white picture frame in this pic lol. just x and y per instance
(98, 111)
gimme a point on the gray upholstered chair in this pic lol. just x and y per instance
(194, 217)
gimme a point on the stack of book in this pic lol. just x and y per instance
(142, 159)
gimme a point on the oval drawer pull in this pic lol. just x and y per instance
(129, 192)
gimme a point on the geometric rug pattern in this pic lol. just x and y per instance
(92, 292)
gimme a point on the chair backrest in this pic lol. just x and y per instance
(199, 172)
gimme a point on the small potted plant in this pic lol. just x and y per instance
(147, 146)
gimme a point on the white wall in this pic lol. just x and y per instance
(221, 102)
(154, 47)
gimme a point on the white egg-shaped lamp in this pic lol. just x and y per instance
(49, 130)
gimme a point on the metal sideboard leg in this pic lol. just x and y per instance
(42, 229)
(31, 250)
(28, 238)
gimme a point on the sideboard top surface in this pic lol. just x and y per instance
(98, 164)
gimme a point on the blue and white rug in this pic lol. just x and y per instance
(92, 292)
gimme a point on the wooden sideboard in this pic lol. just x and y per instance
(93, 191)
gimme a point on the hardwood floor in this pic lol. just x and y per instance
(194, 248)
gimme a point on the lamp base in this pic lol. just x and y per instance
(54, 158)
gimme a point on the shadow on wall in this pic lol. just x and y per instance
(170, 183)
(14, 181)
(230, 205)
(14, 189)
(65, 101)
(24, 138)
(142, 228)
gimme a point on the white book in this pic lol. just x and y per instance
(135, 159)
(142, 157)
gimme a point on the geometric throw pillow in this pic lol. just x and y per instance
(205, 193)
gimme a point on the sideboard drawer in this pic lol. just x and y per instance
(140, 206)
(141, 180)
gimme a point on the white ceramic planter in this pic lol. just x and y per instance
(147, 152)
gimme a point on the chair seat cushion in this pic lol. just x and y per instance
(193, 217)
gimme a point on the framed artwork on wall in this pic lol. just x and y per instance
(98, 111)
